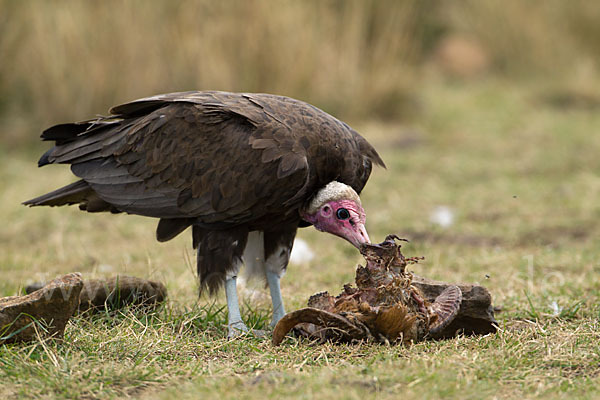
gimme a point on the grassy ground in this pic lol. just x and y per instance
(522, 180)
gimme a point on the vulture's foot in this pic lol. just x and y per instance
(237, 329)
(260, 333)
(240, 329)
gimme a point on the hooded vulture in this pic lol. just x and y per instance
(243, 170)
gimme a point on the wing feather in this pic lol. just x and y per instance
(216, 157)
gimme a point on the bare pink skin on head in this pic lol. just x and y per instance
(343, 218)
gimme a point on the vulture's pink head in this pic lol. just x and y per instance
(336, 209)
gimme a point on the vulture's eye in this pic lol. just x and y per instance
(342, 213)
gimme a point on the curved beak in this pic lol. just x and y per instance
(358, 236)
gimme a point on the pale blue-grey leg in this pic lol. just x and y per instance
(234, 322)
(275, 268)
(275, 288)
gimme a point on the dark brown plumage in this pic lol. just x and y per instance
(224, 163)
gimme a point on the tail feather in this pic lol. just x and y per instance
(168, 228)
(74, 193)
(64, 133)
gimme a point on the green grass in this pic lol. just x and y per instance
(523, 179)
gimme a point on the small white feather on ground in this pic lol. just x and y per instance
(301, 253)
(556, 309)
(442, 216)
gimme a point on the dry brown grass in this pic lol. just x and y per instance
(69, 60)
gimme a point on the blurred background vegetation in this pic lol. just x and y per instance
(357, 59)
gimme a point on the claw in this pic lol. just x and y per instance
(237, 329)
